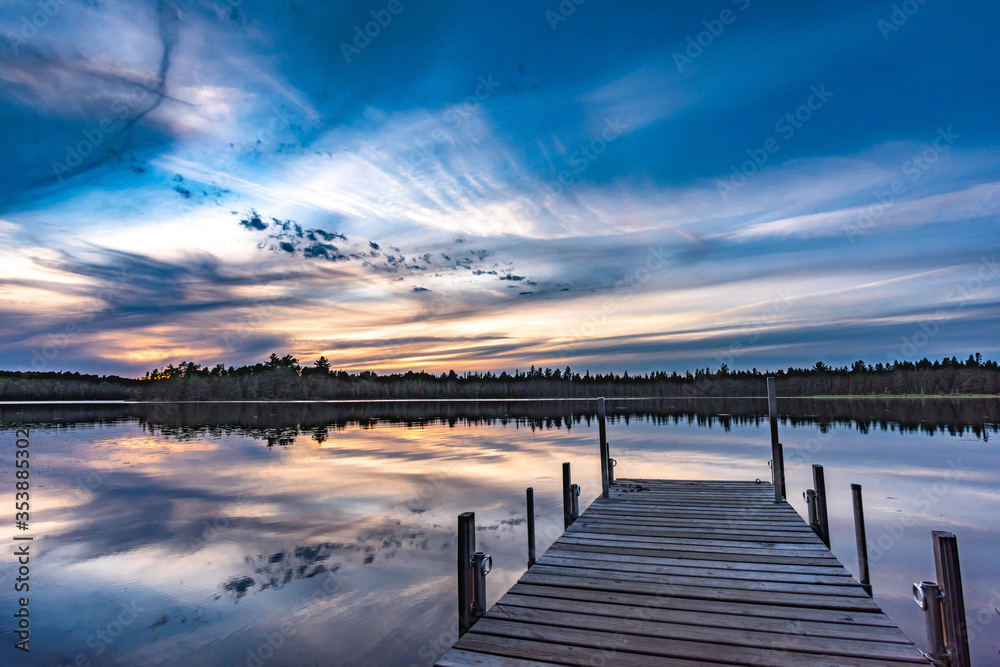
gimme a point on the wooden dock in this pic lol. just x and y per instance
(686, 573)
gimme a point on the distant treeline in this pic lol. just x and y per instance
(283, 378)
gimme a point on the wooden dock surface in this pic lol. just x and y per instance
(686, 573)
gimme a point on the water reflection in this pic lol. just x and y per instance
(323, 533)
(279, 423)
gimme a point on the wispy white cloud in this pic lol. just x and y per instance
(975, 203)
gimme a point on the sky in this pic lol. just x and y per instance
(410, 185)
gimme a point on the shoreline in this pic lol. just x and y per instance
(127, 401)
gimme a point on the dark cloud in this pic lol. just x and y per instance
(324, 250)
(253, 221)
(288, 236)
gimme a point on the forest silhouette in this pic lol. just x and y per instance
(284, 378)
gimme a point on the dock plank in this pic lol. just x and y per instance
(686, 573)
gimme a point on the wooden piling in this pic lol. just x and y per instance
(530, 493)
(605, 455)
(949, 578)
(819, 483)
(777, 457)
(466, 584)
(567, 497)
(862, 541)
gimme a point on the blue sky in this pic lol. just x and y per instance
(637, 186)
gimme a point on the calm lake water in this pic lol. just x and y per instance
(324, 533)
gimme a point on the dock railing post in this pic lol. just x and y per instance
(530, 493)
(862, 541)
(567, 497)
(927, 595)
(605, 455)
(819, 482)
(949, 578)
(466, 584)
(777, 458)
(482, 564)
(809, 495)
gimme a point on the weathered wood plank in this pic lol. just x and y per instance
(713, 581)
(598, 552)
(684, 615)
(598, 532)
(563, 654)
(628, 585)
(745, 522)
(646, 548)
(459, 658)
(618, 644)
(644, 599)
(728, 636)
(687, 570)
(643, 528)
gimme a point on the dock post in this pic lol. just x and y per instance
(777, 458)
(567, 498)
(530, 493)
(949, 576)
(611, 467)
(574, 490)
(819, 482)
(605, 456)
(466, 584)
(862, 541)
